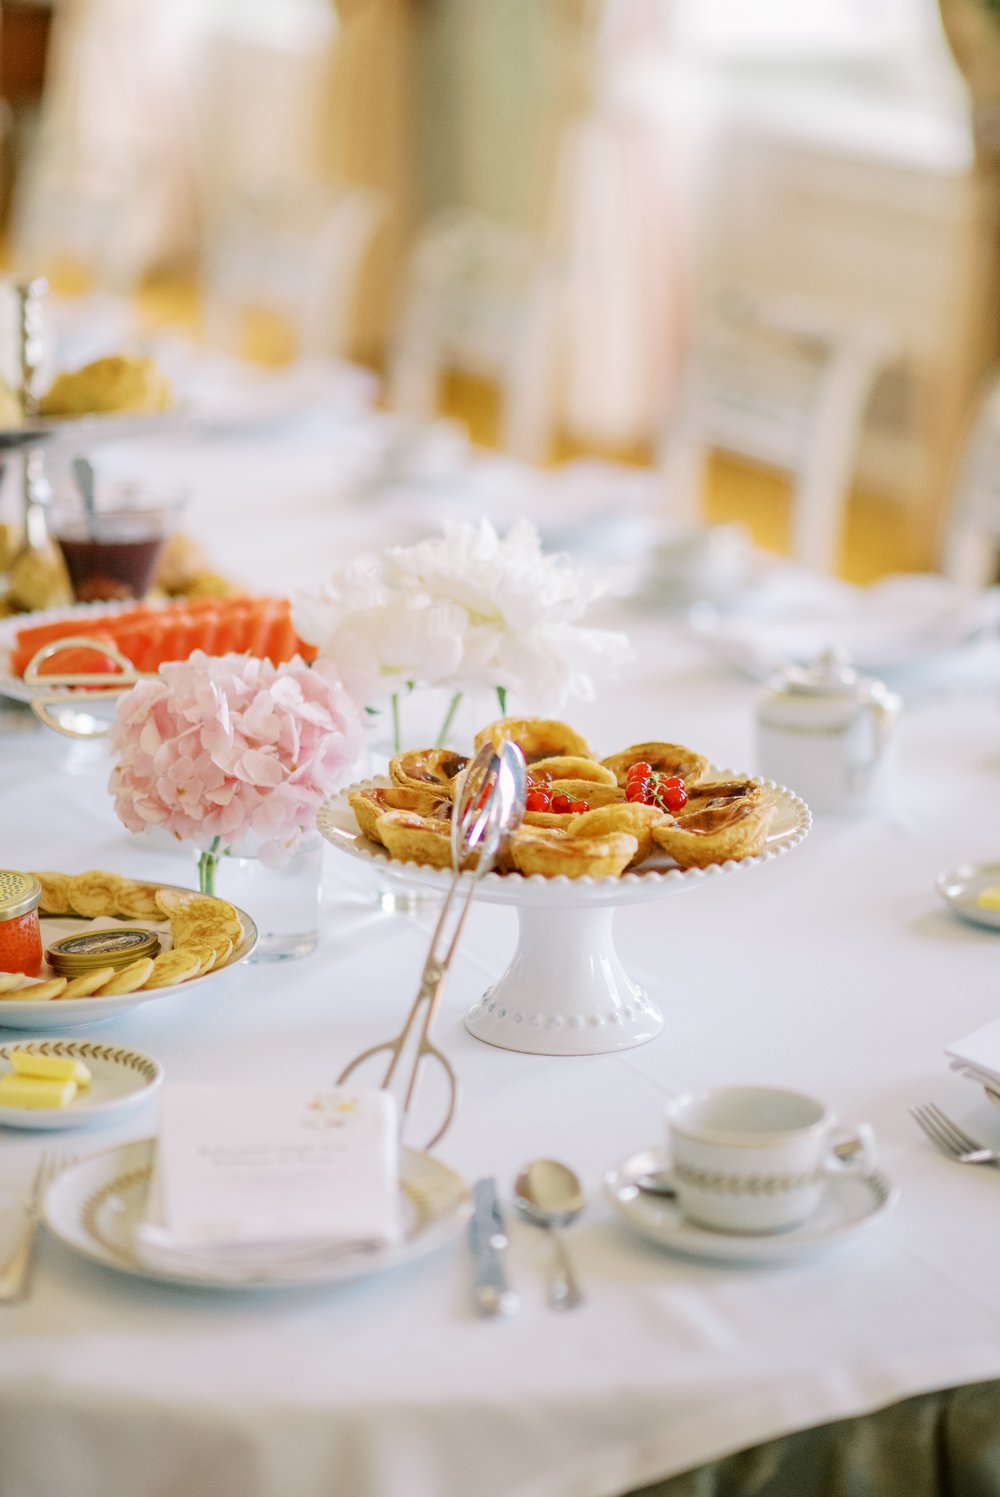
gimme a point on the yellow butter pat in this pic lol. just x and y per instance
(989, 899)
(35, 1091)
(51, 1067)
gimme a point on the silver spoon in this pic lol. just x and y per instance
(83, 472)
(548, 1194)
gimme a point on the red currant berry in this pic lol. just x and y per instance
(672, 781)
(674, 798)
(537, 800)
(579, 806)
(640, 771)
(561, 804)
(634, 790)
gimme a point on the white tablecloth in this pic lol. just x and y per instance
(835, 970)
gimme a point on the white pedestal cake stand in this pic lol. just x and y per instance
(566, 991)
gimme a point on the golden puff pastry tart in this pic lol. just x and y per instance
(572, 767)
(711, 793)
(553, 854)
(536, 737)
(427, 769)
(370, 801)
(629, 816)
(591, 791)
(410, 838)
(735, 829)
(662, 758)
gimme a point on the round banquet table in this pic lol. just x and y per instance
(835, 970)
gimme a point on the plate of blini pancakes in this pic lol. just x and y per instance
(200, 938)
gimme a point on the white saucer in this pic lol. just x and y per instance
(851, 1204)
(961, 886)
(120, 1079)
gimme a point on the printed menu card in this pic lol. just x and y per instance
(274, 1165)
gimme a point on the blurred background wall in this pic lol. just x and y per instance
(609, 204)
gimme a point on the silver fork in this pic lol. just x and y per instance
(952, 1139)
(16, 1272)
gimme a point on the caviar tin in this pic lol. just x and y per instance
(20, 893)
(114, 947)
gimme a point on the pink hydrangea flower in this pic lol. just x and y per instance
(234, 748)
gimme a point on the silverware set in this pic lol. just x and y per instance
(547, 1194)
(950, 1138)
(15, 1273)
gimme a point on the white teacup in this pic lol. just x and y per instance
(756, 1158)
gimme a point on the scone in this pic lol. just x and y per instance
(118, 383)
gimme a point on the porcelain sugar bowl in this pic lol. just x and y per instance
(828, 734)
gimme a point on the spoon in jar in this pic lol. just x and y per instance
(549, 1195)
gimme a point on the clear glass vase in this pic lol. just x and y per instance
(284, 901)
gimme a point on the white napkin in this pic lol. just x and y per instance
(978, 1055)
(795, 616)
(270, 1182)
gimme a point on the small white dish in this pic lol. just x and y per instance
(850, 1204)
(120, 1079)
(961, 887)
(95, 1206)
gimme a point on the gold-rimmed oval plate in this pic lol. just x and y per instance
(120, 1079)
(95, 1207)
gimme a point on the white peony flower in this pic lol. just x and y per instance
(376, 638)
(521, 610)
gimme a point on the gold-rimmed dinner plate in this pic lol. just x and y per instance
(95, 1207)
(960, 888)
(120, 1079)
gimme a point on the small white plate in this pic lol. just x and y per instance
(851, 1204)
(120, 1079)
(95, 1206)
(961, 887)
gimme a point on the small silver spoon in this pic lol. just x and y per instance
(548, 1194)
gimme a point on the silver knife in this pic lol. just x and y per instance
(488, 1243)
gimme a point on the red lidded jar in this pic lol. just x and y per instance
(20, 935)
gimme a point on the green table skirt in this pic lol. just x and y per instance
(944, 1444)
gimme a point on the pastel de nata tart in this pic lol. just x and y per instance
(555, 854)
(709, 794)
(594, 793)
(572, 767)
(370, 801)
(735, 828)
(662, 758)
(427, 769)
(638, 820)
(410, 838)
(536, 737)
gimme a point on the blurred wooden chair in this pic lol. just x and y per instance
(970, 548)
(484, 299)
(298, 255)
(780, 382)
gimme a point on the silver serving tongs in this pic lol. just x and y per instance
(489, 807)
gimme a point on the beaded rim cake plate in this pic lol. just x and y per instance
(566, 991)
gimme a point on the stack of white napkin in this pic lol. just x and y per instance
(795, 616)
(977, 1056)
(271, 1182)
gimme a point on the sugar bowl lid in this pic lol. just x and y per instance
(829, 675)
